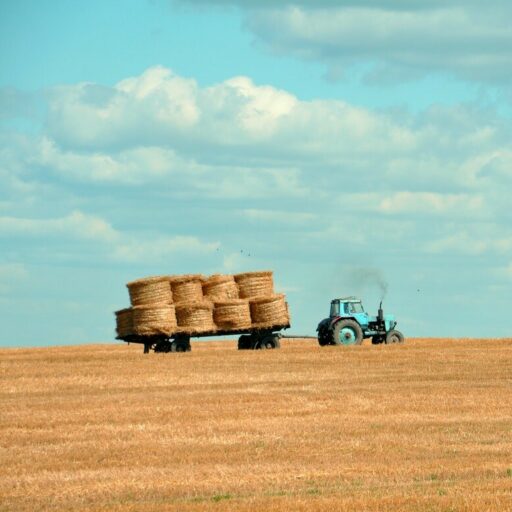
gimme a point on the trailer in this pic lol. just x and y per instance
(249, 339)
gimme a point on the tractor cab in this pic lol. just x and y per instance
(349, 307)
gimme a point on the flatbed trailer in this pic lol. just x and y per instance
(249, 339)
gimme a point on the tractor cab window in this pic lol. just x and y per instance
(335, 308)
(354, 307)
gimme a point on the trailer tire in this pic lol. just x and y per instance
(180, 345)
(347, 332)
(323, 338)
(268, 342)
(245, 342)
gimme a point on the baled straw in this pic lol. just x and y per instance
(232, 314)
(124, 322)
(220, 288)
(150, 290)
(269, 311)
(154, 319)
(187, 288)
(195, 317)
(255, 284)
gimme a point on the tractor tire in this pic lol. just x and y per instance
(267, 342)
(394, 336)
(245, 342)
(347, 332)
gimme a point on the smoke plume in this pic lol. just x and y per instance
(363, 277)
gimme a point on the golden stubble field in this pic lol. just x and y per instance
(424, 426)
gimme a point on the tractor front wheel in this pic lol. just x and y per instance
(394, 336)
(347, 332)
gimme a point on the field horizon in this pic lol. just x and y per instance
(422, 426)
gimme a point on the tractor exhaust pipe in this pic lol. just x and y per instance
(380, 316)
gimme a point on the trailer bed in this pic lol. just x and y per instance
(179, 341)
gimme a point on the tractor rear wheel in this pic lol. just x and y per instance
(394, 336)
(347, 332)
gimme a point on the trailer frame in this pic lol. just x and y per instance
(252, 338)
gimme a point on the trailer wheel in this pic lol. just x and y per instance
(180, 345)
(267, 342)
(347, 332)
(245, 342)
(394, 336)
(323, 338)
(162, 345)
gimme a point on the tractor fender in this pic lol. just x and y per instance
(336, 319)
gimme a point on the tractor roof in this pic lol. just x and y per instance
(348, 299)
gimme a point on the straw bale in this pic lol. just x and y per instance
(124, 322)
(154, 319)
(232, 314)
(269, 311)
(150, 290)
(220, 288)
(255, 284)
(195, 317)
(187, 288)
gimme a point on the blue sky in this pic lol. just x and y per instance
(345, 145)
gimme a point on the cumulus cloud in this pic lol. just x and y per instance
(242, 149)
(470, 40)
(115, 244)
(75, 224)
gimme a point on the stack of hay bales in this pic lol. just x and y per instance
(192, 304)
(193, 312)
(267, 308)
(153, 311)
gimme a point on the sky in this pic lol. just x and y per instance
(352, 147)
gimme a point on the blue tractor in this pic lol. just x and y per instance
(349, 324)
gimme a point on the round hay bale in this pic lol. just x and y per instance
(195, 317)
(150, 290)
(154, 319)
(124, 322)
(187, 288)
(220, 288)
(255, 284)
(232, 314)
(269, 311)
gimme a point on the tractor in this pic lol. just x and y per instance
(349, 324)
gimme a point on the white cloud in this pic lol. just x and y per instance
(116, 245)
(406, 202)
(75, 224)
(473, 243)
(468, 39)
(161, 248)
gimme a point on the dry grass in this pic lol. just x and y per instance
(424, 427)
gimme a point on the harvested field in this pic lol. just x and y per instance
(422, 427)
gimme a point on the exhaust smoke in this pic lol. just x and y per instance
(362, 277)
